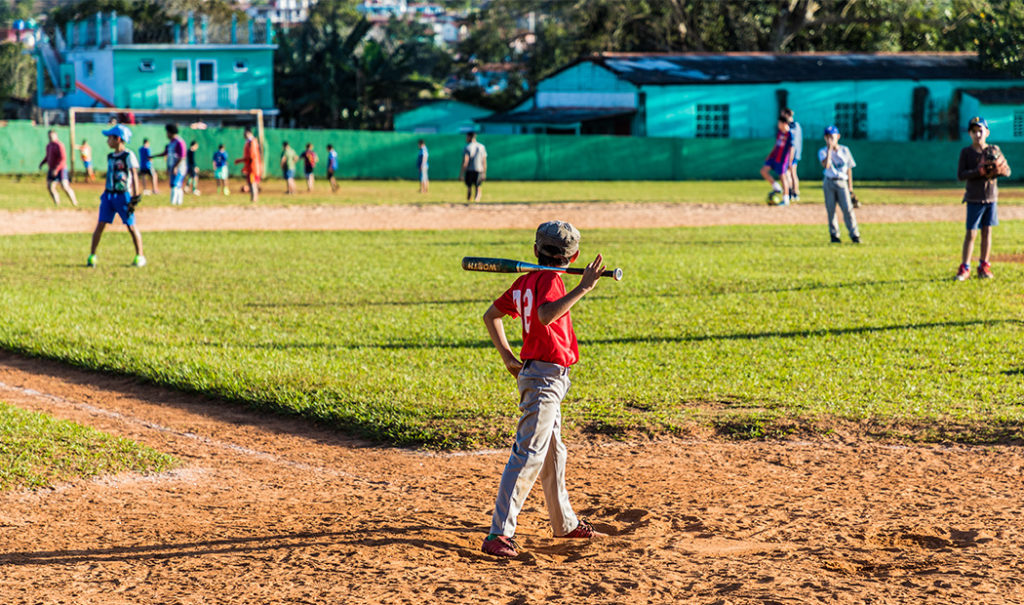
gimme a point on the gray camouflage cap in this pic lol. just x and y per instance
(558, 239)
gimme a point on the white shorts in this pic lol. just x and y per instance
(221, 173)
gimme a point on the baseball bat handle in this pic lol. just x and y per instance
(615, 273)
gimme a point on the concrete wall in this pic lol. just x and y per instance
(392, 155)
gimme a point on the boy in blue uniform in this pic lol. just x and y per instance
(121, 193)
(220, 168)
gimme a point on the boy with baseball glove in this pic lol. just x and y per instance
(549, 349)
(980, 166)
(121, 194)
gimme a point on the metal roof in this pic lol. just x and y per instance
(748, 68)
(557, 115)
(999, 96)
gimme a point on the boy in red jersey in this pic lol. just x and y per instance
(549, 348)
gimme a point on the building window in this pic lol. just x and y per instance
(146, 65)
(90, 68)
(206, 73)
(180, 72)
(241, 66)
(713, 121)
(852, 120)
(1018, 124)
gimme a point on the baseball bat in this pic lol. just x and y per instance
(505, 265)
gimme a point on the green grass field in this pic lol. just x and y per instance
(750, 330)
(20, 193)
(39, 451)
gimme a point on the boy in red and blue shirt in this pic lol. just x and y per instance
(549, 349)
(779, 160)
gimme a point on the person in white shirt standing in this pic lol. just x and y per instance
(838, 163)
(474, 167)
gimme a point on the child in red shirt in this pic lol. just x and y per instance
(549, 348)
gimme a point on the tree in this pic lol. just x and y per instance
(362, 79)
(17, 73)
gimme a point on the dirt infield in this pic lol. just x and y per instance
(273, 510)
(473, 216)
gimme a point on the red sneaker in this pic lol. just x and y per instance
(985, 271)
(501, 546)
(963, 273)
(583, 530)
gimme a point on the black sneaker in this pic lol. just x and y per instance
(836, 240)
(855, 239)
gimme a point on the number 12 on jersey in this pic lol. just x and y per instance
(524, 305)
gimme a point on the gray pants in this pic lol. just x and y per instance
(538, 450)
(837, 192)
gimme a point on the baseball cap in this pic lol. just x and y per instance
(831, 129)
(119, 131)
(558, 239)
(977, 121)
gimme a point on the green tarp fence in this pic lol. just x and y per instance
(392, 155)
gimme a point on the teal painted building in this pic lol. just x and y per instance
(95, 63)
(877, 97)
(440, 117)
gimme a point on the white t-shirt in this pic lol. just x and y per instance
(477, 153)
(842, 159)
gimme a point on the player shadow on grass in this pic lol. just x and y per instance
(486, 344)
(383, 536)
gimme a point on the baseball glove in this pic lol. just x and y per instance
(133, 203)
(993, 162)
(853, 200)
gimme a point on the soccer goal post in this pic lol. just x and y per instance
(256, 114)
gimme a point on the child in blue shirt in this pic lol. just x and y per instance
(121, 193)
(220, 168)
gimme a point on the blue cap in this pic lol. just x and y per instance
(119, 131)
(977, 121)
(831, 129)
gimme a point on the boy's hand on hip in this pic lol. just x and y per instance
(513, 365)
(592, 273)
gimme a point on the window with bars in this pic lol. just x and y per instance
(1018, 124)
(852, 120)
(713, 121)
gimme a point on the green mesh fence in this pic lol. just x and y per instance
(392, 155)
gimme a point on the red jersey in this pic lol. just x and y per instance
(555, 343)
(56, 158)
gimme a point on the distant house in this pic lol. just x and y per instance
(95, 63)
(441, 117)
(898, 97)
(282, 12)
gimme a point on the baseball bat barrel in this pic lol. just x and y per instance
(505, 265)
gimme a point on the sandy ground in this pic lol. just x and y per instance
(273, 510)
(475, 216)
(266, 509)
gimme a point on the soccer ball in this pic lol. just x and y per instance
(774, 198)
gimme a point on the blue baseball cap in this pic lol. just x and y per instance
(977, 121)
(831, 129)
(119, 131)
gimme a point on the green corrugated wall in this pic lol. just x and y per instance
(392, 155)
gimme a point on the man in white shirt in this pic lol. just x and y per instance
(474, 166)
(838, 163)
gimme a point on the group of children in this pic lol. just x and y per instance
(183, 168)
(309, 159)
(980, 174)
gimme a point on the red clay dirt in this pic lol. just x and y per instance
(268, 509)
(271, 509)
